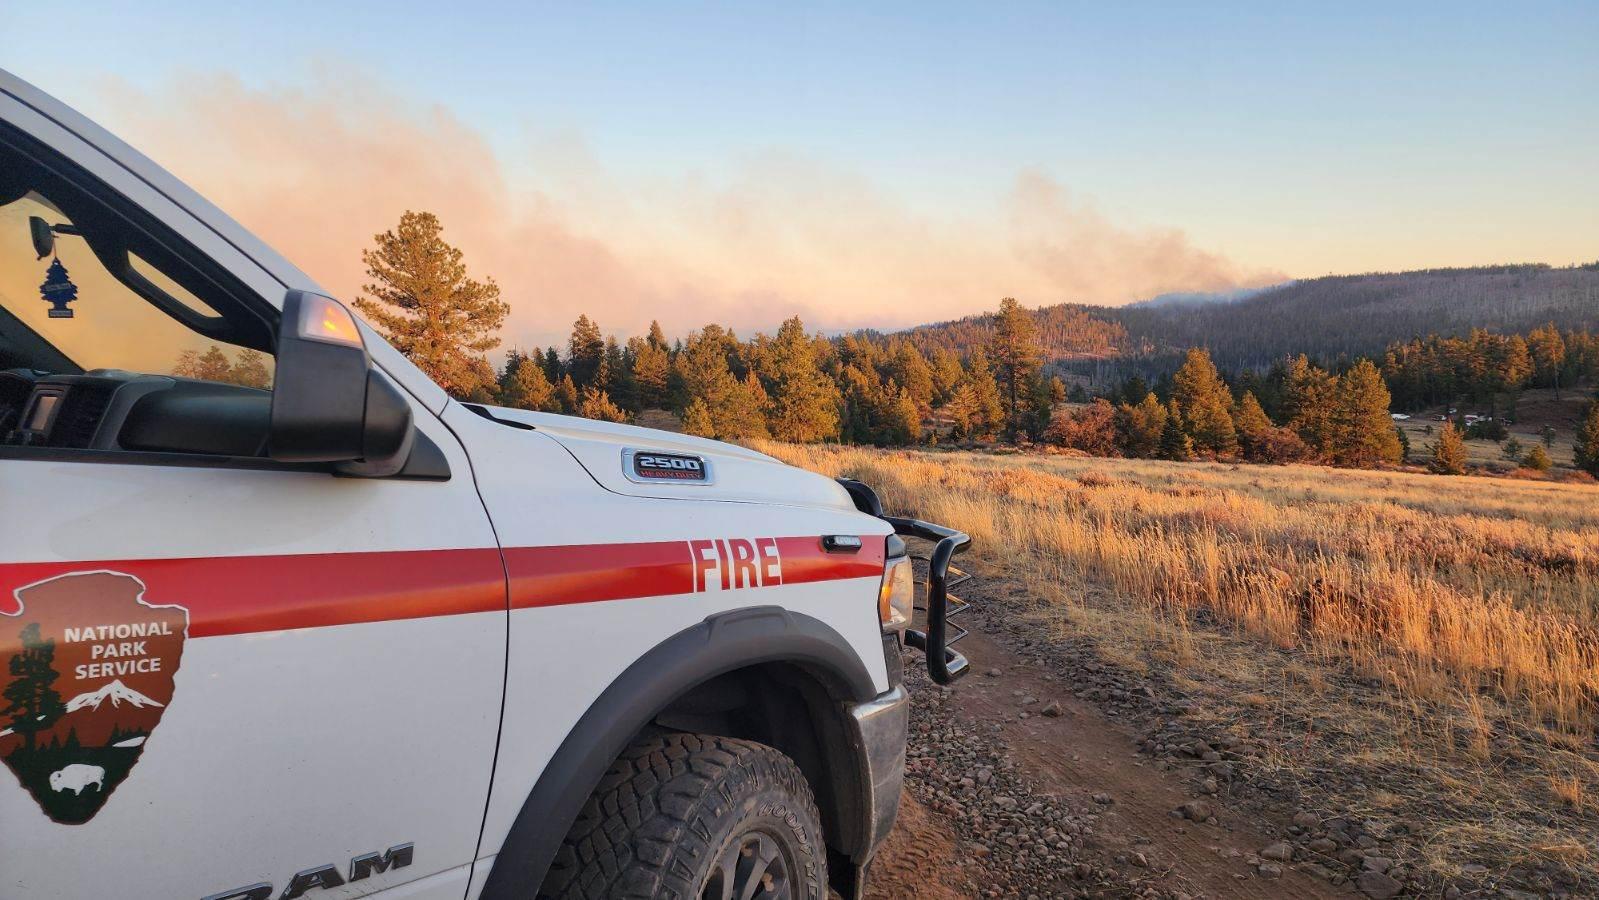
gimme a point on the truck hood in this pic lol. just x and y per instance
(739, 474)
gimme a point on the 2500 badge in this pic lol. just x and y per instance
(642, 465)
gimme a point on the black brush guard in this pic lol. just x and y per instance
(944, 665)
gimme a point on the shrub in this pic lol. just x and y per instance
(1279, 445)
(1091, 429)
(1537, 459)
(1448, 452)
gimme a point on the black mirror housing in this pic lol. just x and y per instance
(328, 403)
(386, 436)
(44, 238)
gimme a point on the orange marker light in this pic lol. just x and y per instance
(896, 599)
(326, 320)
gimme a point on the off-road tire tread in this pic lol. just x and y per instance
(621, 847)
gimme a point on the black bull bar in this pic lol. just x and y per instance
(944, 664)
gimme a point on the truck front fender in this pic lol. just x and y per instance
(722, 643)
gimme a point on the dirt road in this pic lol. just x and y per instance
(1016, 787)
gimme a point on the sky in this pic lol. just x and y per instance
(859, 165)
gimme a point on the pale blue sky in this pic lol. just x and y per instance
(1361, 136)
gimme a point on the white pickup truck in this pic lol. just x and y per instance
(377, 641)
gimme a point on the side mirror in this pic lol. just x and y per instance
(328, 403)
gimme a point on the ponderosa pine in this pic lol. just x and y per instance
(1015, 353)
(422, 300)
(1205, 403)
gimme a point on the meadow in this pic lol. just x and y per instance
(1438, 634)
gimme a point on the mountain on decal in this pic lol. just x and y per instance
(115, 691)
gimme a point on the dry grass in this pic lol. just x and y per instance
(1434, 584)
(1470, 605)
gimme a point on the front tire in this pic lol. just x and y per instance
(694, 817)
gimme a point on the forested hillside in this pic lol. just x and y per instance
(1325, 318)
(1359, 315)
(1066, 331)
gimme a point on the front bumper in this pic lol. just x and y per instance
(881, 727)
(944, 665)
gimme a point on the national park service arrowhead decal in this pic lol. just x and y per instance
(86, 671)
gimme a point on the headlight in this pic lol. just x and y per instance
(896, 599)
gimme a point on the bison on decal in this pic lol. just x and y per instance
(76, 777)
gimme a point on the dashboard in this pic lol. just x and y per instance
(109, 409)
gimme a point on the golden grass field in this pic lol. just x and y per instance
(1473, 602)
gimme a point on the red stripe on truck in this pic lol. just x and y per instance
(585, 573)
(244, 594)
(805, 561)
(553, 576)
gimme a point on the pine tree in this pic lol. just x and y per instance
(212, 365)
(1514, 364)
(1254, 427)
(651, 371)
(553, 370)
(585, 352)
(947, 374)
(657, 337)
(1307, 402)
(524, 386)
(1134, 390)
(989, 408)
(250, 370)
(1511, 449)
(902, 420)
(31, 698)
(697, 419)
(1140, 427)
(566, 395)
(1174, 441)
(910, 369)
(1448, 452)
(596, 404)
(616, 375)
(804, 401)
(1014, 347)
(1204, 401)
(961, 410)
(862, 402)
(422, 300)
(744, 415)
(1362, 432)
(1586, 449)
(1537, 459)
(1548, 351)
(1040, 406)
(736, 408)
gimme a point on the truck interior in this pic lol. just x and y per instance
(133, 342)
